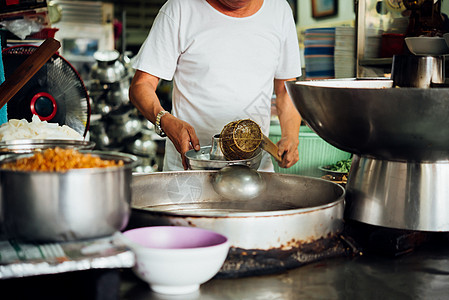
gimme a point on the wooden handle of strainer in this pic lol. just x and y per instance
(270, 147)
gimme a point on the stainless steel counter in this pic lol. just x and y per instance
(422, 274)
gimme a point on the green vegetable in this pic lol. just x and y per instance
(341, 166)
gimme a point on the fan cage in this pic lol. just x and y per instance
(64, 78)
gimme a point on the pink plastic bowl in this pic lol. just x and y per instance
(174, 237)
(176, 259)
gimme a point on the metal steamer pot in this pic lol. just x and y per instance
(292, 212)
(64, 206)
(400, 140)
(108, 68)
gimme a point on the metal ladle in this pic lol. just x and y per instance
(238, 182)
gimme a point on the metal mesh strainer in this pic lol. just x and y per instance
(240, 139)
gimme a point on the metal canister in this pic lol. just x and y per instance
(417, 71)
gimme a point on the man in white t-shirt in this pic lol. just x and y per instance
(225, 57)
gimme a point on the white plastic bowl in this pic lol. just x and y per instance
(176, 259)
(426, 45)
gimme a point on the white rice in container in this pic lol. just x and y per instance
(36, 129)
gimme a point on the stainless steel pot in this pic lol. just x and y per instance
(118, 93)
(401, 137)
(75, 205)
(417, 71)
(100, 107)
(98, 134)
(293, 211)
(143, 145)
(129, 128)
(370, 117)
(123, 123)
(398, 194)
(108, 68)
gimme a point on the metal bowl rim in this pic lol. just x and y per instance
(225, 162)
(340, 200)
(342, 83)
(22, 143)
(129, 160)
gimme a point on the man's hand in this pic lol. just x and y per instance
(142, 94)
(288, 150)
(182, 135)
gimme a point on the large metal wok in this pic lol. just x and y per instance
(400, 136)
(294, 210)
(370, 117)
(296, 220)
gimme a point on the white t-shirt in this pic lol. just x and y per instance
(223, 68)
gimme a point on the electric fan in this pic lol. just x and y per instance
(56, 93)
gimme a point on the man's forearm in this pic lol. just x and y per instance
(288, 115)
(142, 94)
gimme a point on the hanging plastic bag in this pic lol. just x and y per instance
(22, 27)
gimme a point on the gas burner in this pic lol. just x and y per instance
(389, 241)
(243, 262)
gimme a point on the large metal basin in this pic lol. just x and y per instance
(369, 117)
(293, 210)
(65, 206)
(400, 136)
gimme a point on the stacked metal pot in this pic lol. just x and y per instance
(115, 123)
(74, 205)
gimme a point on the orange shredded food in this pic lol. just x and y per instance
(59, 160)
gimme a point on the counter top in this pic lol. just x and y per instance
(422, 274)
